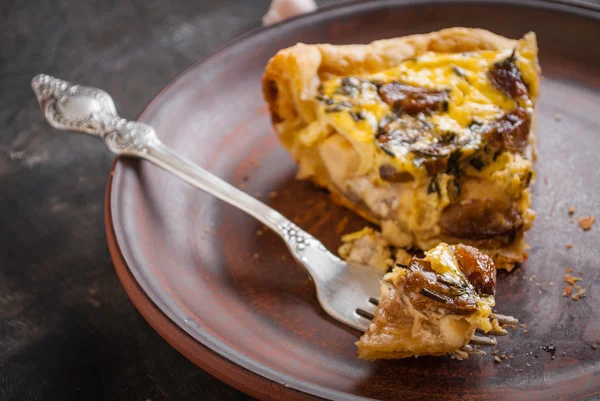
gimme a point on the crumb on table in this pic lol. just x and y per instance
(585, 222)
(571, 209)
(558, 117)
(568, 270)
(569, 246)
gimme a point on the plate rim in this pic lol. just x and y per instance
(218, 365)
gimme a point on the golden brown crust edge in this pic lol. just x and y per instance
(292, 78)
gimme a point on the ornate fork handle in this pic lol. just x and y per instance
(91, 110)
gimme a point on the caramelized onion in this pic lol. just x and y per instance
(431, 292)
(413, 99)
(509, 132)
(478, 267)
(391, 174)
(480, 219)
(506, 77)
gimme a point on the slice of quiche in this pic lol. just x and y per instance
(432, 306)
(429, 136)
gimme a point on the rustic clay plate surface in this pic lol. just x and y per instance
(225, 292)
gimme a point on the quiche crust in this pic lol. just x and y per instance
(295, 79)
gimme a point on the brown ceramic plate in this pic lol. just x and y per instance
(227, 295)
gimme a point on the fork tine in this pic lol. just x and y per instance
(364, 313)
(362, 323)
(504, 319)
(483, 340)
(370, 307)
(472, 351)
(374, 301)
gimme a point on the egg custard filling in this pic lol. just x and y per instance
(432, 305)
(428, 136)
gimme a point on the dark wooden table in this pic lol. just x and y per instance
(67, 329)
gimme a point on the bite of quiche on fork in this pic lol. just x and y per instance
(433, 305)
(429, 136)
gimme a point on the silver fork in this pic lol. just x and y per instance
(346, 291)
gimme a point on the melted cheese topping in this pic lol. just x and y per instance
(472, 98)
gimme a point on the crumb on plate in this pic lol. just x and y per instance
(571, 279)
(585, 222)
(580, 293)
